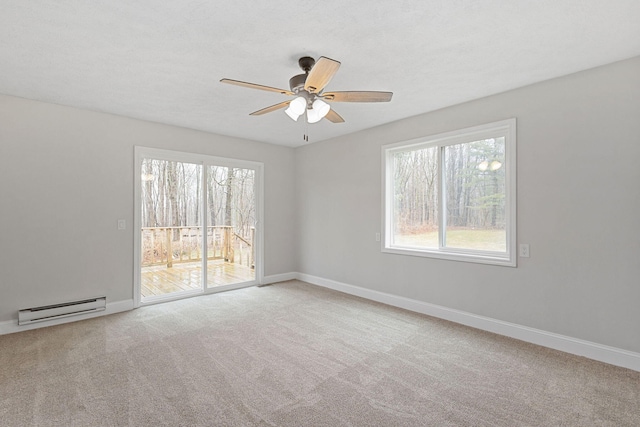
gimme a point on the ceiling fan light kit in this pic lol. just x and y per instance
(318, 111)
(308, 91)
(296, 108)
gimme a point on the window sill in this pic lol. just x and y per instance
(504, 260)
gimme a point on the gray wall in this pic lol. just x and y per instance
(578, 208)
(66, 176)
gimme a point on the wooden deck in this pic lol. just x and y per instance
(160, 280)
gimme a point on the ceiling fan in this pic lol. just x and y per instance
(308, 91)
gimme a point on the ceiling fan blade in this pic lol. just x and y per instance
(334, 117)
(255, 86)
(270, 109)
(357, 96)
(321, 74)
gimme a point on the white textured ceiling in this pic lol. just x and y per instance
(162, 60)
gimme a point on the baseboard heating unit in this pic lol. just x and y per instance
(50, 312)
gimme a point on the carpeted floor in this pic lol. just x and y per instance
(293, 354)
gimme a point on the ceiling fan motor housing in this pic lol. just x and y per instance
(296, 83)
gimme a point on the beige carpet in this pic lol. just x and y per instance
(293, 354)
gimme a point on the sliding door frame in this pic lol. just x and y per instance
(204, 161)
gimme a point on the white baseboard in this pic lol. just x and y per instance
(11, 326)
(591, 350)
(275, 278)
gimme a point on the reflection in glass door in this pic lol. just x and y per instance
(171, 232)
(231, 233)
(197, 230)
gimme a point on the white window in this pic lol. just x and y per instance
(453, 195)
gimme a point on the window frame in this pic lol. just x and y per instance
(504, 128)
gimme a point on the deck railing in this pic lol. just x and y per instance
(172, 245)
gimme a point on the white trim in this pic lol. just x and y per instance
(452, 255)
(603, 353)
(11, 326)
(203, 211)
(137, 223)
(453, 137)
(276, 278)
(196, 293)
(258, 261)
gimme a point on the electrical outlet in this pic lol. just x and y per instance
(524, 250)
(377, 237)
(122, 224)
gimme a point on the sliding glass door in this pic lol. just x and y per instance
(198, 224)
(171, 230)
(231, 213)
